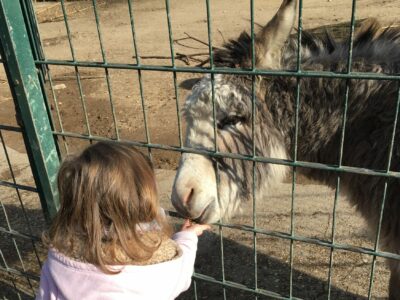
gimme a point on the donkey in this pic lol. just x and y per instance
(368, 133)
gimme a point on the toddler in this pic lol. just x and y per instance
(110, 239)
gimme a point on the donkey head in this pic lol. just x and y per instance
(208, 189)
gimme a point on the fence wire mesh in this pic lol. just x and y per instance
(85, 129)
(21, 219)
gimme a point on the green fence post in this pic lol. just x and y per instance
(30, 106)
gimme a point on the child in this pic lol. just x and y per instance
(110, 239)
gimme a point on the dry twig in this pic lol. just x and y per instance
(220, 33)
(178, 42)
(199, 41)
(190, 37)
(187, 58)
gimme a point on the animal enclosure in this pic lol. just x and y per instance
(120, 71)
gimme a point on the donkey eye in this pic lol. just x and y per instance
(230, 121)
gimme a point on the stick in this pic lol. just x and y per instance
(180, 56)
(199, 41)
(178, 42)
(202, 63)
(195, 39)
(221, 35)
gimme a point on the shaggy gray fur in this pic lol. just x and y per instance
(369, 124)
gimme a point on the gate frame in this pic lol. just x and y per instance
(30, 105)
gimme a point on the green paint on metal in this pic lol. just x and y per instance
(262, 159)
(25, 85)
(135, 46)
(222, 70)
(78, 77)
(171, 44)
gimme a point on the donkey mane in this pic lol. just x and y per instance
(371, 43)
(371, 103)
(235, 53)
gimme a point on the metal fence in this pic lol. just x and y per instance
(47, 140)
(20, 226)
(21, 222)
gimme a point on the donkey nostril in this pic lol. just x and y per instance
(186, 199)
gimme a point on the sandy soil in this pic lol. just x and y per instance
(313, 211)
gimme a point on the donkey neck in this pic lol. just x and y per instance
(321, 105)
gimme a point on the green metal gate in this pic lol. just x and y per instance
(20, 247)
(29, 74)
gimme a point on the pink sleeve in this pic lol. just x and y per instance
(187, 241)
(44, 290)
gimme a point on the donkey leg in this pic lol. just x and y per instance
(394, 283)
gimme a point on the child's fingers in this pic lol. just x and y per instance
(201, 228)
(205, 227)
(186, 224)
(197, 228)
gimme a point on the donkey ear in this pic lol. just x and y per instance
(270, 40)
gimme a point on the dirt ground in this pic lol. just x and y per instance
(313, 211)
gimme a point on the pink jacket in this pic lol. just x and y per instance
(65, 278)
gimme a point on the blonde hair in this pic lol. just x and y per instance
(105, 192)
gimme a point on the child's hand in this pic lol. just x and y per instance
(196, 228)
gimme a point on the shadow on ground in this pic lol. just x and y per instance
(273, 275)
(8, 292)
(19, 252)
